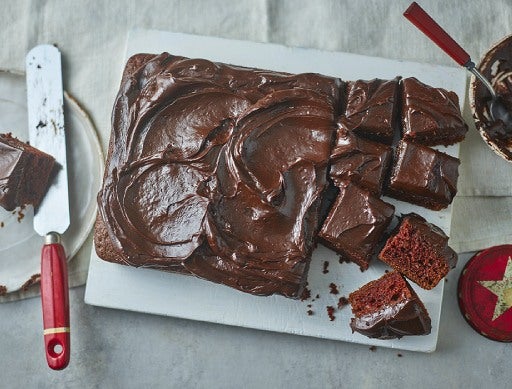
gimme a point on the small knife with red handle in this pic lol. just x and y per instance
(51, 219)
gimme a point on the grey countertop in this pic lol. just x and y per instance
(119, 349)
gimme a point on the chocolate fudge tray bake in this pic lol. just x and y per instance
(240, 186)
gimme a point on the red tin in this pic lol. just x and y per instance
(485, 293)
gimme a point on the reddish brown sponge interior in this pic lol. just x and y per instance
(414, 255)
(388, 290)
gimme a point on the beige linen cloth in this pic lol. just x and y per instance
(92, 35)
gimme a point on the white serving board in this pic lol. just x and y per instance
(143, 290)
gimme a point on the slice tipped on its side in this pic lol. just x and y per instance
(388, 308)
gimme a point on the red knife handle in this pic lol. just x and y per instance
(435, 32)
(55, 301)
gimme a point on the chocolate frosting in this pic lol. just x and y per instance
(206, 158)
(24, 173)
(405, 318)
(423, 176)
(496, 66)
(431, 116)
(359, 160)
(371, 108)
(356, 223)
(10, 157)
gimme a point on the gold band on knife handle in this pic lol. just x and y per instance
(58, 330)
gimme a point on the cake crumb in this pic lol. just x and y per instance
(309, 305)
(2, 224)
(446, 280)
(386, 271)
(399, 355)
(317, 296)
(306, 294)
(21, 215)
(310, 312)
(333, 288)
(3, 290)
(326, 267)
(330, 313)
(343, 260)
(35, 278)
(343, 301)
(373, 348)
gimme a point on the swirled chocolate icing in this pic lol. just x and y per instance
(359, 160)
(496, 66)
(372, 108)
(218, 170)
(431, 116)
(355, 224)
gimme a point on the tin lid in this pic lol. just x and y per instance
(485, 293)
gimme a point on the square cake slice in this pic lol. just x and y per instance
(423, 176)
(24, 173)
(371, 108)
(388, 308)
(361, 161)
(218, 171)
(419, 250)
(356, 224)
(431, 116)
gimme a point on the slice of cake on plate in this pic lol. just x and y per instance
(25, 173)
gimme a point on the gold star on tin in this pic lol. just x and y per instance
(502, 289)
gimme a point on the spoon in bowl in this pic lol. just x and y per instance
(417, 16)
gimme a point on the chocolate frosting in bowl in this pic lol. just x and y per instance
(496, 66)
(206, 158)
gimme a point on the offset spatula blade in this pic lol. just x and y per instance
(46, 133)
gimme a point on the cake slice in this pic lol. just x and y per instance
(419, 250)
(431, 116)
(423, 176)
(371, 109)
(388, 308)
(24, 173)
(359, 160)
(355, 224)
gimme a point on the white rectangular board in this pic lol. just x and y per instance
(156, 292)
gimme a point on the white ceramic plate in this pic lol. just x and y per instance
(20, 246)
(150, 291)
